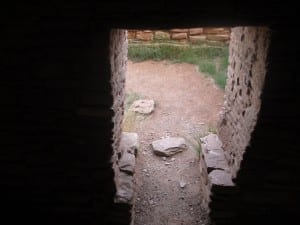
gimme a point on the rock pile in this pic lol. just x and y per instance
(220, 179)
(126, 165)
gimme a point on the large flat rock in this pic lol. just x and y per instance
(169, 146)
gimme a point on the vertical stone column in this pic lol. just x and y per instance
(246, 73)
(118, 60)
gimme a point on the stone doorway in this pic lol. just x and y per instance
(246, 69)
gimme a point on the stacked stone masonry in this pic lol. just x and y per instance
(246, 73)
(192, 35)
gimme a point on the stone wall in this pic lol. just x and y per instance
(246, 73)
(118, 60)
(191, 35)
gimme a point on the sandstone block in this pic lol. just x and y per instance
(209, 30)
(195, 39)
(144, 36)
(179, 36)
(196, 31)
(131, 34)
(218, 37)
(179, 30)
(161, 35)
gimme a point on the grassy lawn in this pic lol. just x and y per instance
(212, 59)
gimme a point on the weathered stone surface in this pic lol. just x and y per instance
(209, 30)
(161, 35)
(196, 31)
(239, 117)
(197, 38)
(127, 162)
(211, 142)
(179, 36)
(131, 34)
(169, 146)
(221, 178)
(143, 106)
(125, 188)
(179, 30)
(129, 142)
(213, 153)
(144, 36)
(218, 37)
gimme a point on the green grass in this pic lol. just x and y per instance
(211, 59)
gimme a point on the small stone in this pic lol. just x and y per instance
(143, 106)
(166, 163)
(164, 158)
(172, 159)
(182, 184)
(145, 170)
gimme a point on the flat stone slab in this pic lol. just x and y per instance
(129, 142)
(213, 153)
(125, 188)
(127, 163)
(211, 142)
(143, 106)
(221, 178)
(169, 146)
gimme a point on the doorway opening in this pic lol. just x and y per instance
(166, 108)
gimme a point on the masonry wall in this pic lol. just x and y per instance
(190, 35)
(118, 60)
(246, 73)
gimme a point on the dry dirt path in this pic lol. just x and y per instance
(187, 104)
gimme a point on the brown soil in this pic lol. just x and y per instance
(187, 104)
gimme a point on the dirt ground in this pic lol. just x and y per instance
(187, 104)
